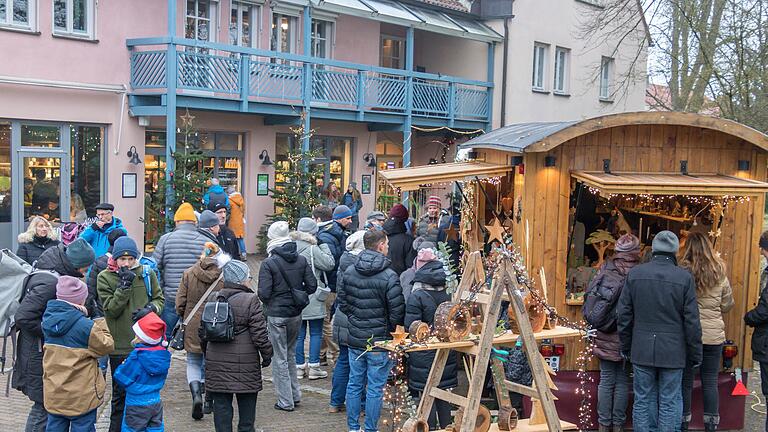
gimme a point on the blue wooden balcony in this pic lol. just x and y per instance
(231, 78)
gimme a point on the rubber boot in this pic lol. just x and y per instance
(195, 387)
(207, 401)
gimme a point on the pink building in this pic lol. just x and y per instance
(83, 83)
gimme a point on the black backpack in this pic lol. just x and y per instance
(601, 298)
(217, 323)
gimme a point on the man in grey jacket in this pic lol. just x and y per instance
(176, 252)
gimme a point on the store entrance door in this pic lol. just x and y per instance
(38, 176)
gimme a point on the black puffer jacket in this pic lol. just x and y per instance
(371, 297)
(401, 251)
(275, 291)
(40, 288)
(335, 237)
(235, 367)
(33, 246)
(658, 315)
(340, 320)
(758, 318)
(228, 242)
(421, 306)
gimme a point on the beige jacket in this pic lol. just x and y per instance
(712, 306)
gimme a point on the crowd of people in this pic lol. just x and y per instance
(97, 304)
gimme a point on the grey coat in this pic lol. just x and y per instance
(320, 261)
(176, 252)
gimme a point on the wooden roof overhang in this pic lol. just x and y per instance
(670, 184)
(412, 178)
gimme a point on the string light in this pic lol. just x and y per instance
(459, 132)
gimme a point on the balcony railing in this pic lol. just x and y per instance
(252, 75)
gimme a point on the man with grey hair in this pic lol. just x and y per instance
(216, 194)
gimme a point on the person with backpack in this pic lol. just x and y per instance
(127, 290)
(38, 238)
(285, 284)
(234, 368)
(97, 235)
(142, 375)
(599, 310)
(215, 194)
(320, 260)
(715, 298)
(73, 385)
(40, 288)
(758, 319)
(194, 283)
(428, 293)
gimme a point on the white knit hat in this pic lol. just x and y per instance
(278, 235)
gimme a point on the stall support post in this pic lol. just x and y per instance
(170, 110)
(307, 45)
(489, 78)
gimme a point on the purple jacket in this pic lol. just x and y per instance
(607, 345)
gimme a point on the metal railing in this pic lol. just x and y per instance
(253, 75)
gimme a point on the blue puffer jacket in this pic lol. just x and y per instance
(143, 375)
(335, 237)
(98, 238)
(216, 194)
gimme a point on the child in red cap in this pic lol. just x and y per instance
(143, 375)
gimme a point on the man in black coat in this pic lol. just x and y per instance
(40, 288)
(371, 297)
(401, 251)
(660, 333)
(226, 238)
(758, 318)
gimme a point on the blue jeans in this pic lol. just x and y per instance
(169, 316)
(241, 245)
(612, 393)
(658, 399)
(315, 341)
(38, 417)
(195, 367)
(374, 366)
(340, 378)
(81, 423)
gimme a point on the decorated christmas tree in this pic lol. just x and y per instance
(189, 179)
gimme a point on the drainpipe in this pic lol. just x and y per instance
(505, 62)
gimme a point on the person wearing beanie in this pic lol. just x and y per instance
(72, 260)
(216, 194)
(175, 252)
(375, 221)
(97, 235)
(758, 319)
(233, 369)
(142, 375)
(237, 219)
(406, 278)
(334, 235)
(613, 391)
(73, 385)
(313, 316)
(127, 290)
(660, 333)
(226, 238)
(401, 251)
(286, 282)
(194, 283)
(429, 224)
(353, 201)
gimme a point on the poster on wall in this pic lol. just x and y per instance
(366, 184)
(262, 184)
(129, 185)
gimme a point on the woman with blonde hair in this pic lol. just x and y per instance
(38, 237)
(715, 298)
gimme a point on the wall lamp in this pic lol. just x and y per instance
(370, 159)
(133, 156)
(516, 161)
(264, 156)
(743, 165)
(549, 161)
(684, 167)
(607, 166)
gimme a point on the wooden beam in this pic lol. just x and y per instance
(447, 396)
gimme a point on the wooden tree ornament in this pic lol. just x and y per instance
(537, 411)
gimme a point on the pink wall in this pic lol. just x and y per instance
(357, 40)
(448, 55)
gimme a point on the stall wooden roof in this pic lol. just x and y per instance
(670, 184)
(413, 177)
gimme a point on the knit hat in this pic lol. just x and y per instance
(278, 235)
(307, 225)
(125, 246)
(116, 234)
(231, 190)
(376, 215)
(424, 256)
(341, 212)
(216, 206)
(208, 219)
(665, 242)
(421, 243)
(627, 243)
(214, 181)
(72, 290)
(434, 200)
(236, 271)
(185, 212)
(105, 206)
(355, 243)
(80, 254)
(150, 329)
(399, 211)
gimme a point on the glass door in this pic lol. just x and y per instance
(41, 175)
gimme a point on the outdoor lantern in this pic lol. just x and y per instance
(133, 156)
(730, 350)
(368, 157)
(264, 156)
(684, 167)
(607, 166)
(743, 165)
(517, 161)
(549, 161)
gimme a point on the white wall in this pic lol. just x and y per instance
(557, 23)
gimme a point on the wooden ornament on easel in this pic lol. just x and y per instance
(537, 411)
(550, 322)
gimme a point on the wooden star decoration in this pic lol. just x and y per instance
(495, 231)
(399, 335)
(452, 233)
(187, 119)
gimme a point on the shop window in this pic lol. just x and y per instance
(85, 179)
(40, 136)
(389, 155)
(331, 152)
(74, 18)
(18, 14)
(6, 198)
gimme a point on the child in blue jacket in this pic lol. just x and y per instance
(143, 375)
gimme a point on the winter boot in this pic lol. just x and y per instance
(207, 401)
(684, 426)
(197, 399)
(603, 428)
(301, 370)
(315, 372)
(617, 428)
(710, 427)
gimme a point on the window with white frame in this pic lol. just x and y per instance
(74, 17)
(606, 78)
(244, 24)
(18, 14)
(200, 20)
(321, 38)
(562, 66)
(392, 52)
(283, 33)
(540, 52)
